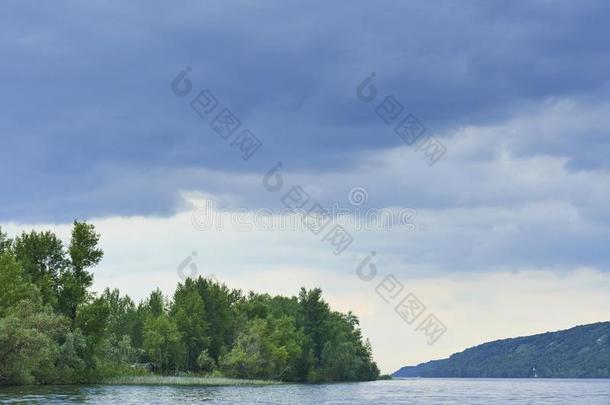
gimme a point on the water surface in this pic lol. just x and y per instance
(404, 391)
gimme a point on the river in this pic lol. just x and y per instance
(403, 391)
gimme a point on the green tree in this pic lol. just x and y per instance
(43, 259)
(15, 284)
(122, 315)
(29, 343)
(163, 344)
(137, 330)
(313, 315)
(84, 253)
(71, 366)
(288, 341)
(205, 362)
(155, 305)
(251, 355)
(189, 315)
(117, 355)
(219, 303)
(345, 357)
(5, 242)
(91, 320)
(265, 349)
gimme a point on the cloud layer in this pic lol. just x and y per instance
(88, 112)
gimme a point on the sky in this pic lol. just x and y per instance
(112, 112)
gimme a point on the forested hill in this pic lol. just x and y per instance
(579, 352)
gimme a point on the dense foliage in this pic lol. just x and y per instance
(53, 329)
(580, 352)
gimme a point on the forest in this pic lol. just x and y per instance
(579, 352)
(55, 330)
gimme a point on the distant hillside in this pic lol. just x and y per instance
(579, 352)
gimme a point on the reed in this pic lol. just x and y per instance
(180, 380)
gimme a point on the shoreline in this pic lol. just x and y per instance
(158, 380)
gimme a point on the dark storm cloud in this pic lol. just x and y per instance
(86, 98)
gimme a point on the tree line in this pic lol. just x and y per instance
(54, 329)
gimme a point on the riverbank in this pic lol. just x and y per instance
(187, 381)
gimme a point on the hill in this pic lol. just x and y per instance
(579, 352)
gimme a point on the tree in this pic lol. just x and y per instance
(92, 319)
(84, 253)
(266, 348)
(313, 313)
(163, 343)
(288, 341)
(83, 249)
(219, 303)
(29, 343)
(251, 355)
(155, 305)
(137, 330)
(189, 314)
(5, 242)
(117, 354)
(205, 362)
(122, 313)
(43, 259)
(15, 284)
(345, 357)
(70, 364)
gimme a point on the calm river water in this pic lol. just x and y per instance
(406, 391)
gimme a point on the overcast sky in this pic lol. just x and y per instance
(508, 231)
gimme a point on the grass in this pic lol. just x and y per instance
(171, 380)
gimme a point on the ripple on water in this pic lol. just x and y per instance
(420, 391)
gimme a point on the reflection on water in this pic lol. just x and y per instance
(417, 391)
